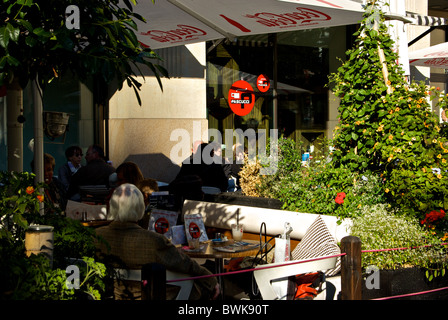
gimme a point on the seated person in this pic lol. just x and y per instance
(236, 166)
(218, 158)
(147, 187)
(212, 174)
(54, 190)
(95, 172)
(128, 172)
(135, 247)
(68, 169)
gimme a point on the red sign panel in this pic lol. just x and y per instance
(194, 230)
(263, 83)
(161, 225)
(241, 98)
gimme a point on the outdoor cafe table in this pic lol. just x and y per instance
(207, 250)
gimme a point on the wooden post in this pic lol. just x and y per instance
(154, 282)
(382, 58)
(351, 274)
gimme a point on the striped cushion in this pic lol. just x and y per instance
(318, 242)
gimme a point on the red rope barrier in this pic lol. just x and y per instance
(405, 248)
(252, 269)
(299, 261)
(321, 258)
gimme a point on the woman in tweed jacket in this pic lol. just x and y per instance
(135, 246)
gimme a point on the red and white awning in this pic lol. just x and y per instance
(179, 22)
(435, 56)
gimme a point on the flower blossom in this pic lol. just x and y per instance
(29, 190)
(433, 216)
(340, 198)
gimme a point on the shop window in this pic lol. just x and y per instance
(301, 61)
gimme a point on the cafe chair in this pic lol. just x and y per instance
(139, 275)
(267, 275)
(317, 242)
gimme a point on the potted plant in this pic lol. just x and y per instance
(409, 258)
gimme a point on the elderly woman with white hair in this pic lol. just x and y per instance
(135, 246)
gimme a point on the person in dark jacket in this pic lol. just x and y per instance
(68, 169)
(95, 172)
(202, 165)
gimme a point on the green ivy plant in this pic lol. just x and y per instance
(386, 124)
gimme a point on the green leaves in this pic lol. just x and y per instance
(32, 277)
(35, 41)
(7, 33)
(394, 134)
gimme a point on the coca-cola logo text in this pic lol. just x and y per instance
(302, 16)
(183, 33)
(437, 62)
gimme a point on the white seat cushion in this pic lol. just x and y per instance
(318, 242)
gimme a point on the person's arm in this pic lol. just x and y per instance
(175, 260)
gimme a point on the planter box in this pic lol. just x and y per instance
(406, 281)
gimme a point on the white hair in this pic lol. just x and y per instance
(126, 204)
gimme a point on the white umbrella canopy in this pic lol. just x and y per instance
(435, 56)
(179, 22)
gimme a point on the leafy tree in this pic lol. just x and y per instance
(36, 42)
(386, 124)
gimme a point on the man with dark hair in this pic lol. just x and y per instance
(95, 172)
(202, 164)
(73, 154)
